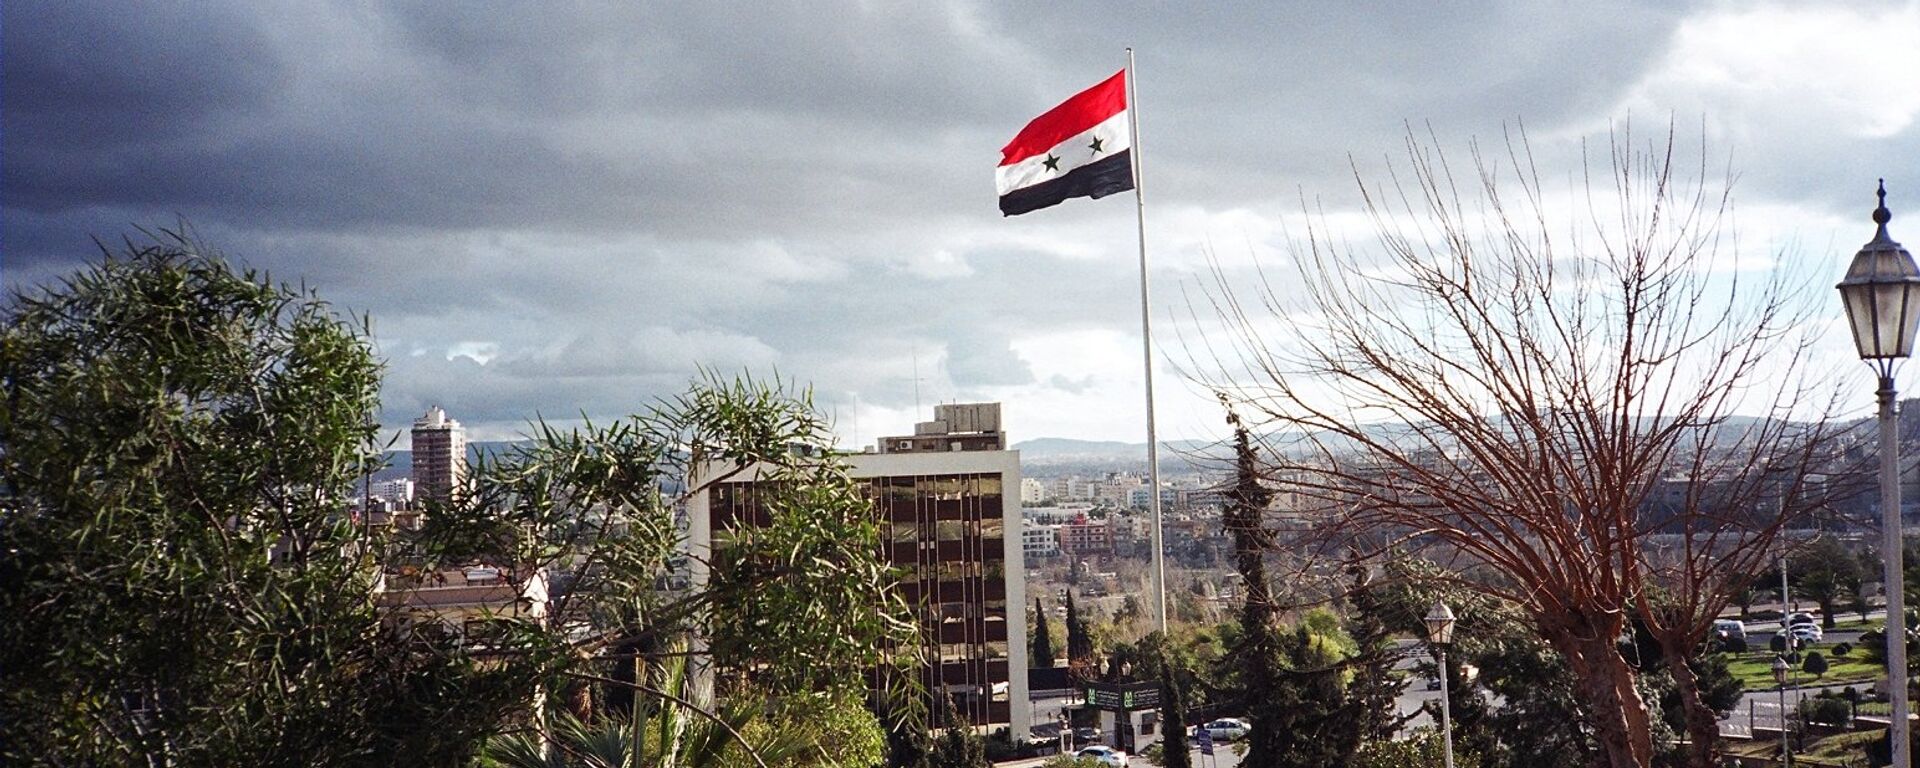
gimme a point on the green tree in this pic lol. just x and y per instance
(809, 732)
(1256, 665)
(1816, 664)
(1079, 642)
(1044, 655)
(187, 587)
(1069, 761)
(184, 585)
(1173, 717)
(1373, 691)
(1823, 570)
(957, 746)
(1423, 750)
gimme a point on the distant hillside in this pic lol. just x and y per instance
(1061, 454)
(400, 463)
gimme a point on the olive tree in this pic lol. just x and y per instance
(183, 584)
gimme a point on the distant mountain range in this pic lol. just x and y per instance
(400, 463)
(1066, 448)
(1063, 455)
(1059, 454)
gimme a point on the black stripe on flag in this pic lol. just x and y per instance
(1097, 179)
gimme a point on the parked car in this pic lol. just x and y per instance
(1433, 683)
(1106, 756)
(1086, 734)
(1800, 617)
(1227, 729)
(1804, 634)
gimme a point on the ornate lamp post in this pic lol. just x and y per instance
(1780, 671)
(1882, 297)
(1440, 622)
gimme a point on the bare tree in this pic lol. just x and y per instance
(1583, 404)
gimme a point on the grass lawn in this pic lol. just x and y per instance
(1755, 670)
(1842, 749)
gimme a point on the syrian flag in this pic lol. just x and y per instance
(1077, 149)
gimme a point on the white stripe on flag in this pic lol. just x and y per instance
(1073, 153)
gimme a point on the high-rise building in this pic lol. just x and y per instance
(439, 455)
(952, 522)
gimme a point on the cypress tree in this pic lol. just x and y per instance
(1079, 645)
(1173, 717)
(1043, 652)
(1259, 671)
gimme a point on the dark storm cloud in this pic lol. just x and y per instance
(562, 208)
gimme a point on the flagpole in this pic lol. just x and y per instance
(1146, 345)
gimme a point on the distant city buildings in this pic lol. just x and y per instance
(439, 455)
(397, 492)
(1032, 492)
(1040, 541)
(1084, 538)
(466, 601)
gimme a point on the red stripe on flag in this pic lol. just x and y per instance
(1085, 110)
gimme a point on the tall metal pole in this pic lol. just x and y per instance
(1786, 750)
(1146, 345)
(1786, 600)
(1899, 730)
(1446, 705)
(1786, 604)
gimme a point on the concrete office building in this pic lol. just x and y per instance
(1040, 541)
(439, 455)
(952, 521)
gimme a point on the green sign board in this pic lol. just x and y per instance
(1121, 697)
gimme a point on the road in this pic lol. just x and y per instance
(1223, 756)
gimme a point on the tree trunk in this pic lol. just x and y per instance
(1616, 711)
(1703, 724)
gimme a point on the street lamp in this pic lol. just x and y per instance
(1882, 297)
(1440, 633)
(1780, 670)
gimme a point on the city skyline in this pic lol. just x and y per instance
(553, 214)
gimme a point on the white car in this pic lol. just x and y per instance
(1804, 634)
(1227, 729)
(1106, 756)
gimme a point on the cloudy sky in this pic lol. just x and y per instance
(560, 210)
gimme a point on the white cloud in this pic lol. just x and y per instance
(1809, 69)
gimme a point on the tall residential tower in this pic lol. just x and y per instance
(439, 455)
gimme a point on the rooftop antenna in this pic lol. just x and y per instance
(916, 381)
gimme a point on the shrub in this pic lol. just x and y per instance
(1826, 710)
(1873, 645)
(1816, 664)
(1843, 649)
